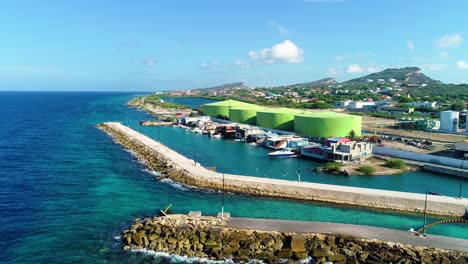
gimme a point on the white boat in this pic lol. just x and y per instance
(283, 153)
(216, 136)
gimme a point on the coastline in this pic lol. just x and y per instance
(180, 169)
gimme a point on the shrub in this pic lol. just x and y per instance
(333, 167)
(395, 164)
(366, 169)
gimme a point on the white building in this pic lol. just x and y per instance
(359, 104)
(425, 104)
(342, 104)
(449, 121)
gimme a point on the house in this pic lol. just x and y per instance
(341, 104)
(358, 104)
(339, 152)
(244, 132)
(426, 104)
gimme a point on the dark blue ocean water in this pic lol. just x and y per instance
(66, 191)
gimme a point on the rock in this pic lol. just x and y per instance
(298, 243)
(459, 260)
(317, 253)
(301, 255)
(331, 240)
(335, 258)
(136, 237)
(172, 240)
(211, 242)
(229, 250)
(244, 252)
(284, 253)
(126, 248)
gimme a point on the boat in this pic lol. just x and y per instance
(283, 153)
(216, 136)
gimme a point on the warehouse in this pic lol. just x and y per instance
(326, 124)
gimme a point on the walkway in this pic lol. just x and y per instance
(367, 232)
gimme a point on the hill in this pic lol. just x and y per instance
(403, 75)
(318, 83)
(223, 87)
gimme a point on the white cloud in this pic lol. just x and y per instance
(411, 46)
(354, 68)
(339, 58)
(284, 52)
(372, 69)
(444, 55)
(280, 28)
(462, 64)
(434, 67)
(149, 62)
(449, 41)
(332, 71)
(241, 63)
(209, 65)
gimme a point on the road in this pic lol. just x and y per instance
(367, 232)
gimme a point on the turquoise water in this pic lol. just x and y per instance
(67, 190)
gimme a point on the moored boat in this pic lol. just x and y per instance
(283, 153)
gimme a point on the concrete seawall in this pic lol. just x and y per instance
(158, 157)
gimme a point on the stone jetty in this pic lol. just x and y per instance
(208, 237)
(175, 166)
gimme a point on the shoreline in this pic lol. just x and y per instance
(274, 241)
(181, 169)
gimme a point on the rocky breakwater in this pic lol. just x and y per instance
(207, 237)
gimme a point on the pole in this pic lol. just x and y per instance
(425, 214)
(222, 201)
(298, 170)
(461, 179)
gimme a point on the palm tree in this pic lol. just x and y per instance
(352, 135)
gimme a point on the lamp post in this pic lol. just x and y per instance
(298, 169)
(461, 178)
(222, 201)
(425, 214)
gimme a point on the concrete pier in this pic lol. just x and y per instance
(181, 169)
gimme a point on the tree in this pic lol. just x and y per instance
(458, 106)
(352, 135)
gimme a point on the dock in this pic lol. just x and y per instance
(181, 169)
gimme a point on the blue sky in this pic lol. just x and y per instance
(158, 45)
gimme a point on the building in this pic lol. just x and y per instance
(426, 104)
(449, 121)
(358, 104)
(395, 110)
(341, 104)
(339, 152)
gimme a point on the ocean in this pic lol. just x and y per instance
(67, 191)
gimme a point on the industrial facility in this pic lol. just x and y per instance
(276, 118)
(244, 114)
(326, 124)
(221, 108)
(449, 121)
(310, 124)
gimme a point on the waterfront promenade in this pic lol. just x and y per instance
(184, 170)
(366, 232)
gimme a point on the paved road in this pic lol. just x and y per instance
(368, 232)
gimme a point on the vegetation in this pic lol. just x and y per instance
(160, 102)
(395, 164)
(366, 169)
(334, 167)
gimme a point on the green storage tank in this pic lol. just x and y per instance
(326, 124)
(277, 118)
(222, 108)
(244, 114)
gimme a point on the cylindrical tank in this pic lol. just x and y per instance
(447, 120)
(276, 118)
(327, 124)
(244, 114)
(221, 109)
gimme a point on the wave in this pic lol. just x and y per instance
(172, 258)
(179, 259)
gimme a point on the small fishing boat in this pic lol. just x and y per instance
(283, 153)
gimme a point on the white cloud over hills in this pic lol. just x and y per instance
(284, 52)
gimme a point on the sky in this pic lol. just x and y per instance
(159, 45)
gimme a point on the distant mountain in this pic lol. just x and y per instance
(318, 83)
(222, 87)
(404, 75)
